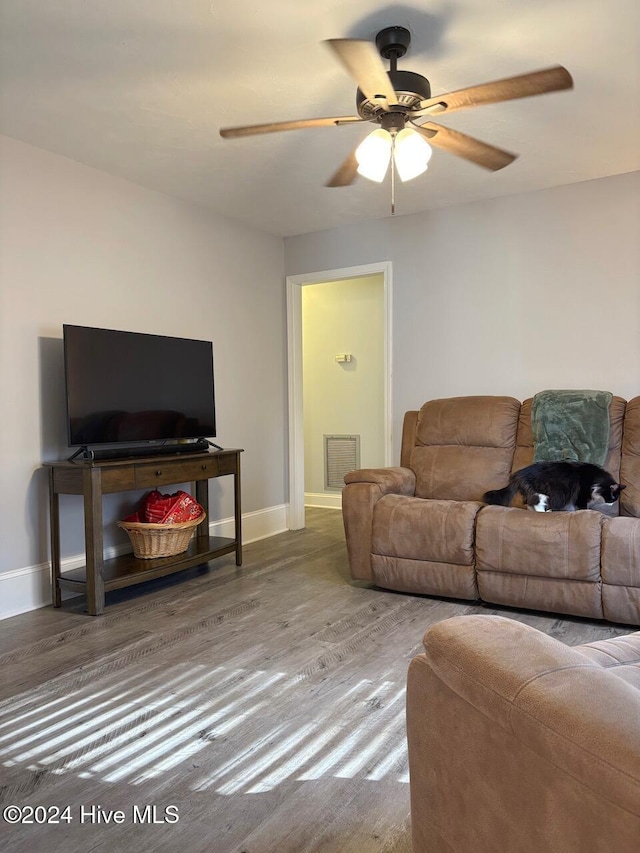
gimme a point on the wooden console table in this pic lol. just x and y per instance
(93, 479)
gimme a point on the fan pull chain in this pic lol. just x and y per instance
(393, 176)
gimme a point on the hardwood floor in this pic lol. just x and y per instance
(266, 704)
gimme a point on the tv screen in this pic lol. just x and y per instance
(134, 387)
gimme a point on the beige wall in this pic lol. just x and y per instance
(509, 296)
(344, 399)
(79, 246)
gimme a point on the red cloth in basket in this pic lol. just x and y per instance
(169, 509)
(156, 508)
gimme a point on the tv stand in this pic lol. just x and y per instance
(93, 478)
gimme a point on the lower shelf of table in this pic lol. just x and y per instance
(127, 570)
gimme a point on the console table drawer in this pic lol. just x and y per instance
(117, 480)
(71, 480)
(163, 473)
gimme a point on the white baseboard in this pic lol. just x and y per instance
(27, 589)
(323, 499)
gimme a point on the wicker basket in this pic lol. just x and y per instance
(160, 540)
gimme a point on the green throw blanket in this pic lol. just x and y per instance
(571, 425)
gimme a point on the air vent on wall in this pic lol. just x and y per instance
(341, 454)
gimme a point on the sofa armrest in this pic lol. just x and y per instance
(363, 488)
(396, 481)
(517, 741)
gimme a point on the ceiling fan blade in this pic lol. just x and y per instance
(346, 173)
(363, 62)
(524, 86)
(487, 156)
(275, 127)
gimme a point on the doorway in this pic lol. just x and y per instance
(344, 371)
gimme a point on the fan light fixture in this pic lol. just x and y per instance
(410, 151)
(373, 155)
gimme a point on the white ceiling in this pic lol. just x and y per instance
(140, 89)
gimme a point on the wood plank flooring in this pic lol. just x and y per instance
(266, 704)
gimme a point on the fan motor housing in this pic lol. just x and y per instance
(393, 42)
(410, 87)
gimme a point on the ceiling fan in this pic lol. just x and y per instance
(399, 101)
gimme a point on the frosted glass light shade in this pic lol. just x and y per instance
(373, 155)
(411, 154)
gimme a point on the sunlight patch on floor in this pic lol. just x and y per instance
(153, 724)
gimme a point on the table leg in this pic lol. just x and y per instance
(54, 533)
(202, 496)
(238, 510)
(94, 544)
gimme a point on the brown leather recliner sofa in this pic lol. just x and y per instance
(422, 527)
(518, 742)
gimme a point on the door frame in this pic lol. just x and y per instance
(295, 283)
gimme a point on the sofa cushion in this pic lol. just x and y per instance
(424, 546)
(621, 570)
(417, 529)
(621, 551)
(464, 446)
(620, 655)
(562, 545)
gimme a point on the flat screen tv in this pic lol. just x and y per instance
(127, 387)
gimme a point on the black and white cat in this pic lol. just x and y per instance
(559, 486)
